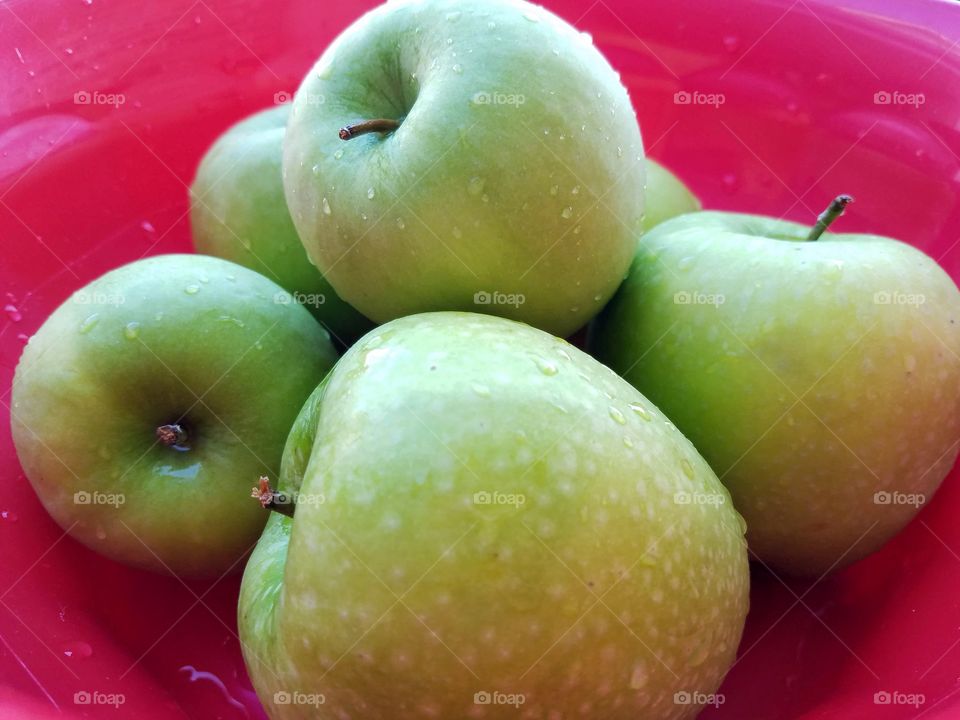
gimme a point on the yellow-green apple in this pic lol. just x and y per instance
(485, 518)
(151, 395)
(466, 155)
(819, 377)
(238, 212)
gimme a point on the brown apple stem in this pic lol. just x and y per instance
(833, 211)
(171, 435)
(271, 499)
(380, 125)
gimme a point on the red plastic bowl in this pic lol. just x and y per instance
(86, 187)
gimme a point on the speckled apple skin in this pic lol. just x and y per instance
(400, 597)
(820, 381)
(476, 191)
(170, 338)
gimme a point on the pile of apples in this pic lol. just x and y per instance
(474, 518)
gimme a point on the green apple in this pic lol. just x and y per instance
(485, 517)
(238, 212)
(495, 164)
(667, 196)
(820, 378)
(151, 395)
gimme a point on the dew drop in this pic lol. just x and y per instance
(457, 232)
(684, 263)
(326, 207)
(687, 468)
(147, 226)
(191, 289)
(617, 416)
(458, 68)
(79, 650)
(371, 193)
(638, 678)
(546, 367)
(400, 223)
(481, 390)
(575, 190)
(475, 185)
(13, 313)
(640, 410)
(9, 516)
(132, 331)
(89, 324)
(531, 16)
(453, 16)
(338, 154)
(492, 25)
(567, 213)
(554, 189)
(627, 441)
(731, 43)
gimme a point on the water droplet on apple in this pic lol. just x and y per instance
(554, 189)
(147, 226)
(638, 678)
(627, 441)
(729, 182)
(23, 337)
(576, 231)
(77, 650)
(457, 232)
(640, 410)
(619, 151)
(453, 16)
(132, 331)
(458, 68)
(9, 516)
(326, 206)
(575, 190)
(557, 53)
(475, 185)
(546, 367)
(731, 43)
(371, 193)
(575, 309)
(204, 279)
(101, 533)
(89, 324)
(481, 390)
(191, 289)
(338, 154)
(700, 655)
(617, 416)
(597, 298)
(531, 16)
(567, 213)
(687, 468)
(13, 313)
(449, 41)
(400, 223)
(685, 263)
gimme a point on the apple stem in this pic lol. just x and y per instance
(380, 125)
(271, 499)
(833, 211)
(171, 435)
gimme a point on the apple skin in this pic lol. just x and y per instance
(417, 417)
(238, 212)
(667, 196)
(473, 193)
(213, 347)
(878, 382)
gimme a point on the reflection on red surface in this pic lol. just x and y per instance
(86, 187)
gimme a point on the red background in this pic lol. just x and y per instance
(84, 188)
